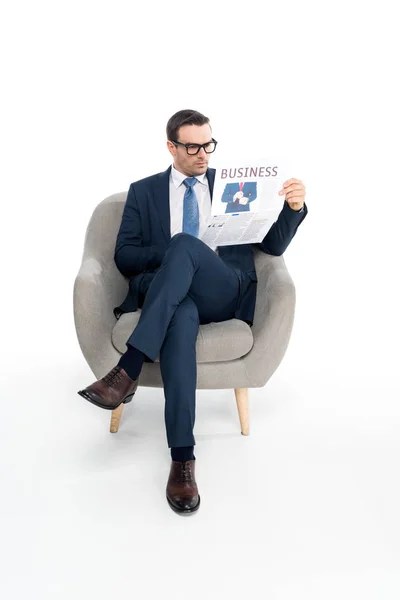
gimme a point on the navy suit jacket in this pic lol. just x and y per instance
(249, 191)
(145, 233)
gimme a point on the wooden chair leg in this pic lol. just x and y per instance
(242, 401)
(115, 418)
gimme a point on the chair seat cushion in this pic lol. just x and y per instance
(216, 342)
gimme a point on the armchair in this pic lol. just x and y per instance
(230, 354)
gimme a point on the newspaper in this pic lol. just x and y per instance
(245, 201)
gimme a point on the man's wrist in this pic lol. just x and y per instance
(299, 210)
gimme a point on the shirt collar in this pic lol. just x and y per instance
(178, 177)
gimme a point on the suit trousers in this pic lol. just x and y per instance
(192, 286)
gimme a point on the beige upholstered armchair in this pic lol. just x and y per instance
(230, 354)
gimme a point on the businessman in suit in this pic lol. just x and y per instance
(239, 195)
(179, 282)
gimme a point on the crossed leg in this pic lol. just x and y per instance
(192, 286)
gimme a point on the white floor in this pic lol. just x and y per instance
(306, 506)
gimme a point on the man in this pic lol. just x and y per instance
(238, 196)
(179, 283)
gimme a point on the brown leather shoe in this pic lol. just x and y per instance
(182, 493)
(111, 390)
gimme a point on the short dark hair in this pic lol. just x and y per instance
(184, 117)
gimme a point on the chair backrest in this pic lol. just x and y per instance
(103, 227)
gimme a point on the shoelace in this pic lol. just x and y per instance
(113, 377)
(186, 471)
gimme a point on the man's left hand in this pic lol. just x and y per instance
(295, 192)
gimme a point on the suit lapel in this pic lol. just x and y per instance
(161, 198)
(161, 202)
(211, 179)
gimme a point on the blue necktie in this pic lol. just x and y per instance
(190, 222)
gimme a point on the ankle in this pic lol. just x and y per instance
(132, 362)
(182, 453)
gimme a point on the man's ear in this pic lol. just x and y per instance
(171, 147)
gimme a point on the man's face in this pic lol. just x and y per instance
(191, 165)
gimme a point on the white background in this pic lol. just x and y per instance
(307, 505)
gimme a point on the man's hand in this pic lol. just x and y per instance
(238, 195)
(295, 192)
(243, 200)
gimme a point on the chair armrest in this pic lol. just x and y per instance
(98, 288)
(273, 318)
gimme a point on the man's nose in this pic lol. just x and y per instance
(202, 153)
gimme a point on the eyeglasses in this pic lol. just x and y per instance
(193, 149)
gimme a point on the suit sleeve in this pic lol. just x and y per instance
(252, 193)
(282, 231)
(228, 193)
(130, 256)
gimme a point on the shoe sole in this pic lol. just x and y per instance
(186, 512)
(90, 399)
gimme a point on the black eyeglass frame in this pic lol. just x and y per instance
(199, 146)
